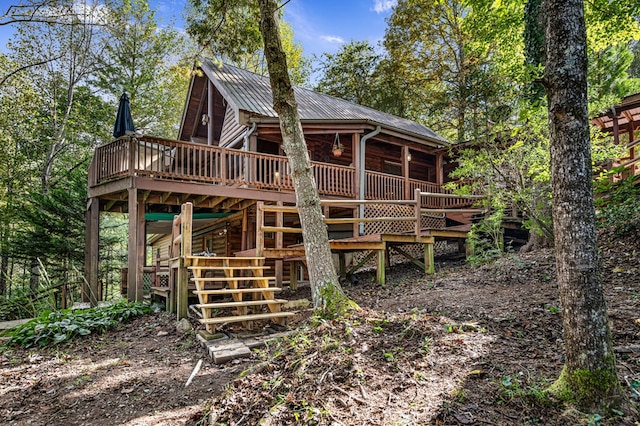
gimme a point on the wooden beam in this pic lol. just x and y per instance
(132, 258)
(380, 266)
(141, 252)
(429, 263)
(279, 244)
(408, 256)
(164, 197)
(90, 287)
(109, 204)
(364, 260)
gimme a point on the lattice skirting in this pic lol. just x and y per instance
(397, 227)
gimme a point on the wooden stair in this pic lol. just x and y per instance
(242, 292)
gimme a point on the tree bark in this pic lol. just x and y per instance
(326, 292)
(589, 376)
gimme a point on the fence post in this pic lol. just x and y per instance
(259, 226)
(417, 209)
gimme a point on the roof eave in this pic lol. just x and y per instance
(390, 130)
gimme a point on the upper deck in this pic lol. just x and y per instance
(163, 166)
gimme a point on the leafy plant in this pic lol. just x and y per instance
(59, 326)
(618, 203)
(485, 239)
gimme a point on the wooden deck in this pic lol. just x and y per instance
(173, 172)
(378, 244)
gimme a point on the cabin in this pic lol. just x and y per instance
(229, 166)
(622, 122)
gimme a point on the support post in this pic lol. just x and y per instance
(182, 297)
(132, 255)
(429, 263)
(293, 275)
(380, 264)
(405, 171)
(209, 112)
(418, 212)
(259, 226)
(245, 222)
(279, 244)
(141, 243)
(90, 286)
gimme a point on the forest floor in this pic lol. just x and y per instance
(468, 345)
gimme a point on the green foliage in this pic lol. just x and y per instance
(148, 62)
(349, 73)
(618, 204)
(59, 326)
(485, 239)
(230, 32)
(514, 386)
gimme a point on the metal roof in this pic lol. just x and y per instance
(251, 92)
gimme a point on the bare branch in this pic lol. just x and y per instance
(25, 67)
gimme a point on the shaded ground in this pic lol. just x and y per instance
(470, 345)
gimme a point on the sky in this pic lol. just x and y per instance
(319, 25)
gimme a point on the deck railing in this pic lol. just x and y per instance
(176, 160)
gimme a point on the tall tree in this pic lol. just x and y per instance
(231, 33)
(327, 294)
(325, 289)
(589, 376)
(349, 73)
(142, 59)
(452, 80)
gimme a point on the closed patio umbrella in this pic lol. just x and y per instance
(124, 121)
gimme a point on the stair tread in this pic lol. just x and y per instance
(232, 258)
(226, 268)
(237, 290)
(205, 279)
(234, 304)
(239, 318)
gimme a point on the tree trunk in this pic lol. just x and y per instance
(326, 292)
(589, 376)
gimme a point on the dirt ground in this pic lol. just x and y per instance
(469, 345)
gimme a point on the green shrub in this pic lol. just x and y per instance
(618, 204)
(485, 239)
(59, 326)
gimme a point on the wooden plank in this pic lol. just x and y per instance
(406, 239)
(231, 291)
(259, 225)
(369, 219)
(225, 279)
(429, 262)
(132, 258)
(452, 210)
(90, 288)
(280, 209)
(182, 293)
(282, 229)
(279, 244)
(355, 245)
(220, 305)
(443, 195)
(229, 258)
(229, 268)
(251, 317)
(380, 266)
(141, 251)
(444, 233)
(356, 202)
